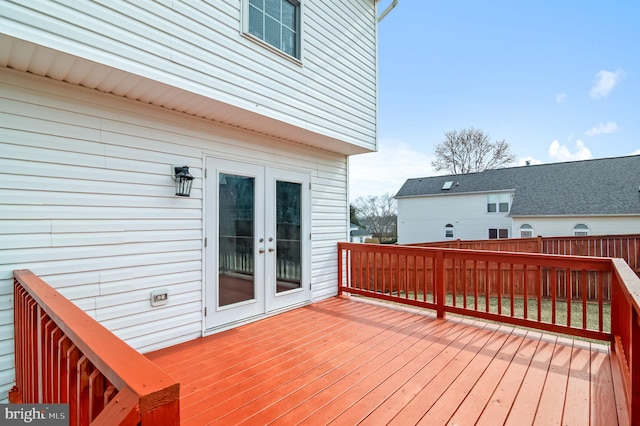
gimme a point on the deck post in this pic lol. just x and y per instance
(441, 283)
(634, 412)
(340, 270)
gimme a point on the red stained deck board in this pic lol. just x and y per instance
(365, 396)
(479, 348)
(474, 401)
(578, 386)
(342, 361)
(360, 341)
(553, 395)
(500, 403)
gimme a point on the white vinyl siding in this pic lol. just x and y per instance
(598, 225)
(423, 219)
(87, 203)
(199, 48)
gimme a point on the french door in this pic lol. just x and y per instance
(257, 241)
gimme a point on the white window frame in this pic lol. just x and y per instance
(581, 230)
(498, 203)
(277, 49)
(526, 231)
(449, 227)
(498, 231)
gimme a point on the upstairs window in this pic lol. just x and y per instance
(277, 23)
(581, 230)
(526, 231)
(448, 231)
(498, 203)
(495, 233)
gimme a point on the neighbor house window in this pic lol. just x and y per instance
(498, 233)
(498, 203)
(581, 230)
(277, 23)
(448, 231)
(526, 231)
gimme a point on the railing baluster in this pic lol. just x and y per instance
(569, 291)
(475, 277)
(464, 283)
(415, 277)
(63, 385)
(96, 394)
(487, 290)
(454, 279)
(499, 288)
(375, 272)
(56, 334)
(512, 289)
(600, 278)
(554, 287)
(83, 372)
(73, 355)
(525, 290)
(52, 336)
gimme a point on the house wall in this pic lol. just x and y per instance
(199, 47)
(87, 203)
(562, 226)
(423, 219)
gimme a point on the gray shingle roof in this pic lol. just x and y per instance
(606, 186)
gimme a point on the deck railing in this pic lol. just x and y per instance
(64, 356)
(508, 288)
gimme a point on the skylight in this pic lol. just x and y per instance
(447, 184)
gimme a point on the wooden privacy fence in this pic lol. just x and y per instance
(508, 288)
(626, 247)
(64, 356)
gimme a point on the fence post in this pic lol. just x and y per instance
(441, 283)
(540, 244)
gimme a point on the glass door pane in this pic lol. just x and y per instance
(288, 236)
(236, 236)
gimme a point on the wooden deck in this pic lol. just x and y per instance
(346, 362)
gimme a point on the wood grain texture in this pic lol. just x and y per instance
(343, 361)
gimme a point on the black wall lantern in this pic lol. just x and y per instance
(183, 179)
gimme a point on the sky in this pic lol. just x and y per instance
(559, 80)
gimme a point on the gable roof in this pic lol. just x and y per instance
(606, 186)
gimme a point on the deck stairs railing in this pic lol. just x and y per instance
(62, 355)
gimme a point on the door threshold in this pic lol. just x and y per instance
(234, 324)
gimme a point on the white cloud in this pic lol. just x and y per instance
(387, 169)
(636, 152)
(561, 152)
(561, 97)
(602, 129)
(604, 83)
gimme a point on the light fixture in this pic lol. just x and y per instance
(183, 179)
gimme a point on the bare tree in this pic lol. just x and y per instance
(378, 214)
(470, 150)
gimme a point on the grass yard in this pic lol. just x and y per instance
(561, 309)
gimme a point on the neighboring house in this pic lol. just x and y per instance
(358, 234)
(263, 102)
(591, 197)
